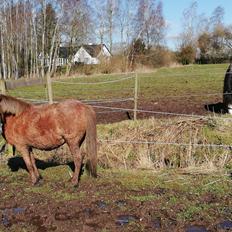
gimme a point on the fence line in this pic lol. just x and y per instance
(93, 83)
(118, 109)
(161, 75)
(197, 95)
(189, 74)
(225, 146)
(116, 88)
(108, 101)
(163, 113)
(33, 100)
(109, 111)
(180, 96)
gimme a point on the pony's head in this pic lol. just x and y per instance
(11, 105)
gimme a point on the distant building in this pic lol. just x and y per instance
(92, 54)
(86, 54)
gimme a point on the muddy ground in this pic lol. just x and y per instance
(115, 201)
(188, 105)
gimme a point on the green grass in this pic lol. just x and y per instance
(183, 80)
(143, 198)
(194, 211)
(195, 79)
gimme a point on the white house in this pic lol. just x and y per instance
(92, 54)
(86, 54)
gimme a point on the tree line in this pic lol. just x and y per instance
(32, 31)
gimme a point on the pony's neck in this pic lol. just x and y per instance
(11, 105)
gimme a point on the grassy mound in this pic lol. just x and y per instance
(159, 143)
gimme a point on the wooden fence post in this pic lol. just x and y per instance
(3, 87)
(136, 97)
(49, 86)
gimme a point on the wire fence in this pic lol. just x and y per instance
(214, 146)
(163, 113)
(94, 83)
(101, 104)
(129, 84)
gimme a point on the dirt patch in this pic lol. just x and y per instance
(187, 105)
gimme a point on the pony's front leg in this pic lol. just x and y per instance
(26, 157)
(77, 157)
(38, 176)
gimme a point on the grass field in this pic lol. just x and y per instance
(157, 84)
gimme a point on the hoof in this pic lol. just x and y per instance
(75, 186)
(75, 183)
(94, 175)
(38, 182)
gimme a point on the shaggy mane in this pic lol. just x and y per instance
(12, 105)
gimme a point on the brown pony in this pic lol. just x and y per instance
(47, 127)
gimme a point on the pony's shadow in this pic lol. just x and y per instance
(218, 108)
(16, 163)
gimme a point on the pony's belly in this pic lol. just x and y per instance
(45, 144)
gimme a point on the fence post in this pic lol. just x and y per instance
(49, 86)
(136, 97)
(3, 86)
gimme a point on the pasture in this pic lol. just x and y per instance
(169, 172)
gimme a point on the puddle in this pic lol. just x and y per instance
(226, 225)
(121, 203)
(5, 220)
(156, 223)
(125, 219)
(8, 213)
(101, 204)
(196, 229)
(88, 212)
(18, 210)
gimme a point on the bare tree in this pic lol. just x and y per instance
(228, 37)
(150, 22)
(43, 4)
(216, 20)
(125, 18)
(189, 33)
(111, 12)
(100, 19)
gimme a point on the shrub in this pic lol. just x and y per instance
(186, 55)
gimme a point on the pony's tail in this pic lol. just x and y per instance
(91, 142)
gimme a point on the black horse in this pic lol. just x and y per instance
(225, 106)
(227, 90)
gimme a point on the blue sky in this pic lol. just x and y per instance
(173, 11)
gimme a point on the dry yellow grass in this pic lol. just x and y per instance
(120, 144)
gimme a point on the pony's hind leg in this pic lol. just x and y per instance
(27, 159)
(78, 158)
